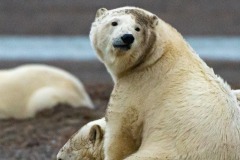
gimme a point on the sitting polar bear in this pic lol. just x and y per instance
(85, 144)
(166, 102)
(27, 89)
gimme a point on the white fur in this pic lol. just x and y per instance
(172, 105)
(108, 54)
(237, 93)
(27, 89)
(79, 147)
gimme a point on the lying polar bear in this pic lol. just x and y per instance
(85, 144)
(27, 89)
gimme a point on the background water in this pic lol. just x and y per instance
(79, 48)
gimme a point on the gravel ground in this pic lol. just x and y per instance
(41, 137)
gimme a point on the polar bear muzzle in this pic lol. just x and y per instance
(124, 42)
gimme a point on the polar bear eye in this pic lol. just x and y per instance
(137, 29)
(114, 23)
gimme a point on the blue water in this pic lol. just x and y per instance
(45, 48)
(226, 48)
(79, 48)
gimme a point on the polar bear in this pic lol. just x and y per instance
(85, 144)
(166, 102)
(27, 89)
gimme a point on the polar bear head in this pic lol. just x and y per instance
(123, 38)
(85, 144)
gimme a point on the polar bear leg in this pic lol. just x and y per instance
(49, 97)
(150, 155)
(164, 150)
(117, 145)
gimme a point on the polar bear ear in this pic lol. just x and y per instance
(100, 12)
(95, 134)
(154, 20)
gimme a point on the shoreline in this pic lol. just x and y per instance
(92, 72)
(79, 47)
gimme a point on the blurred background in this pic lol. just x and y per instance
(55, 32)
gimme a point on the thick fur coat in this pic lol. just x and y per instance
(27, 89)
(167, 104)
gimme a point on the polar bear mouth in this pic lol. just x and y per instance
(122, 46)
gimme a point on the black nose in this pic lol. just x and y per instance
(127, 38)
